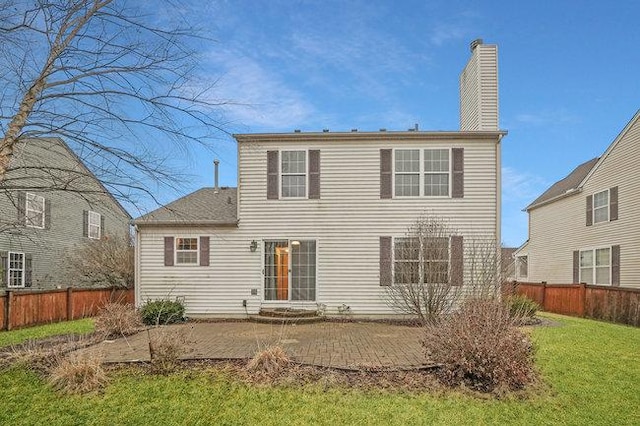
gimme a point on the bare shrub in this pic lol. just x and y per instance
(166, 346)
(117, 319)
(480, 346)
(107, 262)
(78, 374)
(270, 361)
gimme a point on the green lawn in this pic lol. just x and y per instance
(592, 370)
(15, 337)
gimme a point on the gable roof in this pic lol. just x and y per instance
(566, 185)
(206, 206)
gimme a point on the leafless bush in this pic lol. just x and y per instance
(270, 361)
(166, 346)
(424, 271)
(78, 374)
(480, 346)
(117, 319)
(107, 262)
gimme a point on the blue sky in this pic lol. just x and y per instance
(569, 77)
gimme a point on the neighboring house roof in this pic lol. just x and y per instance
(566, 185)
(206, 206)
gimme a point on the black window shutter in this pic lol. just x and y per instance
(613, 203)
(4, 266)
(272, 175)
(615, 266)
(168, 251)
(22, 207)
(47, 214)
(204, 251)
(458, 173)
(457, 260)
(385, 261)
(314, 174)
(589, 210)
(102, 234)
(28, 270)
(85, 223)
(576, 266)
(385, 174)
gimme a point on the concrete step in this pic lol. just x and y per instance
(287, 313)
(286, 320)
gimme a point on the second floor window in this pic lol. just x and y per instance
(94, 230)
(294, 174)
(34, 211)
(601, 206)
(422, 172)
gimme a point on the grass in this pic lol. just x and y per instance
(15, 337)
(592, 371)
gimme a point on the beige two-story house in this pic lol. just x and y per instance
(586, 227)
(316, 218)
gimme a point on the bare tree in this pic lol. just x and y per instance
(434, 268)
(119, 86)
(108, 262)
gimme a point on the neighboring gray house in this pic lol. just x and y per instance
(586, 227)
(50, 205)
(316, 217)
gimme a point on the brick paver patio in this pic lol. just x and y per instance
(331, 344)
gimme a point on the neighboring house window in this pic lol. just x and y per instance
(34, 211)
(186, 251)
(294, 174)
(601, 206)
(94, 222)
(16, 270)
(422, 172)
(421, 263)
(522, 267)
(595, 266)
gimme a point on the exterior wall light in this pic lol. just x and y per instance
(253, 246)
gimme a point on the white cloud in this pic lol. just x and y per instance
(546, 117)
(521, 186)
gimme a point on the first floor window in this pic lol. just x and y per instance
(522, 267)
(94, 225)
(421, 261)
(186, 251)
(595, 266)
(16, 270)
(34, 211)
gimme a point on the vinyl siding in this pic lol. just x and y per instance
(346, 221)
(559, 228)
(479, 90)
(49, 246)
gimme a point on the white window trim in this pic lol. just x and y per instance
(176, 251)
(422, 172)
(306, 174)
(98, 225)
(420, 269)
(9, 269)
(27, 210)
(593, 267)
(606, 207)
(517, 265)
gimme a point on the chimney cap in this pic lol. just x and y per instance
(475, 43)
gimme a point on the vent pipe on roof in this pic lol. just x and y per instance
(216, 162)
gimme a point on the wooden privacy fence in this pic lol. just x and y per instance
(25, 308)
(615, 304)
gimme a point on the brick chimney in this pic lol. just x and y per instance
(479, 89)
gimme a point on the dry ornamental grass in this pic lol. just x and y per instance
(78, 374)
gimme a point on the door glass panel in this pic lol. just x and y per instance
(276, 270)
(303, 270)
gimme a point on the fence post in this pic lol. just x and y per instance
(69, 303)
(583, 299)
(544, 295)
(7, 310)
